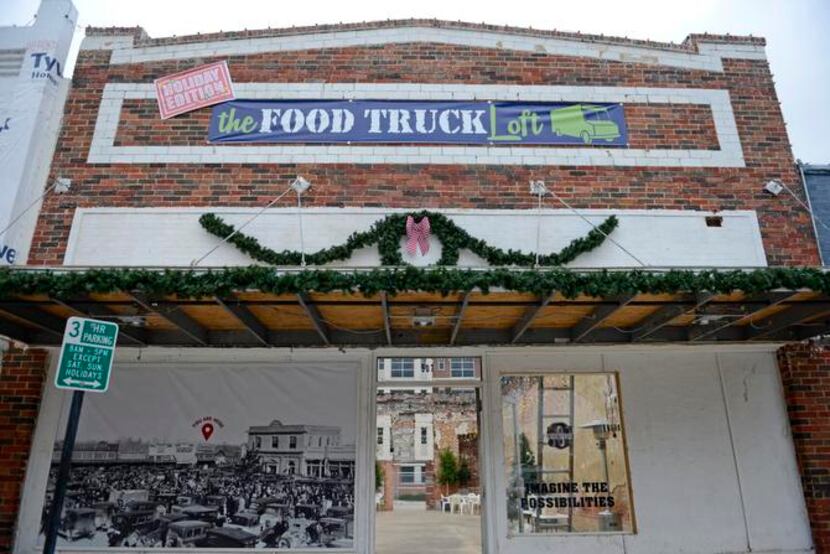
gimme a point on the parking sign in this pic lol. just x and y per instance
(86, 357)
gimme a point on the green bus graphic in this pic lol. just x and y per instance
(572, 121)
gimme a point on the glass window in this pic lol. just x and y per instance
(423, 435)
(574, 477)
(380, 435)
(462, 367)
(292, 442)
(403, 367)
(257, 442)
(407, 474)
(275, 441)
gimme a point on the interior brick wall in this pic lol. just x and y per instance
(805, 374)
(22, 376)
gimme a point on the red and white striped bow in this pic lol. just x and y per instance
(417, 235)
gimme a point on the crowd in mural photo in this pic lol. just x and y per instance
(237, 504)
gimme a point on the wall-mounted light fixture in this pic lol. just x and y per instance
(300, 185)
(62, 185)
(423, 317)
(774, 187)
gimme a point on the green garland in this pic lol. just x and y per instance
(387, 234)
(208, 283)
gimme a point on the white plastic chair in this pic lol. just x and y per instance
(446, 504)
(474, 502)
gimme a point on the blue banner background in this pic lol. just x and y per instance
(405, 121)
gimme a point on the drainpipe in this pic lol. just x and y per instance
(800, 166)
(5, 344)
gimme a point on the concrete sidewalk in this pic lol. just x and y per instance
(421, 531)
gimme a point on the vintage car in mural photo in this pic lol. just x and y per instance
(255, 500)
(77, 523)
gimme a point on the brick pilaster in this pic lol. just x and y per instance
(805, 373)
(22, 375)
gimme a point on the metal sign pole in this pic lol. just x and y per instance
(63, 472)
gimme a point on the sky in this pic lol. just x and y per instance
(182, 397)
(797, 32)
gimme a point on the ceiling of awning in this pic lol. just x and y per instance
(246, 317)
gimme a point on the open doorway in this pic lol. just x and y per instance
(428, 485)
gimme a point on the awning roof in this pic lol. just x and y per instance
(264, 306)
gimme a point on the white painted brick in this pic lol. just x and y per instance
(106, 43)
(730, 154)
(709, 58)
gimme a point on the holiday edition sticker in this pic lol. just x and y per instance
(404, 121)
(195, 88)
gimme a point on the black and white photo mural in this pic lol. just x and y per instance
(216, 457)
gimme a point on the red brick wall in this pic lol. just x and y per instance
(785, 226)
(468, 450)
(805, 372)
(390, 479)
(21, 383)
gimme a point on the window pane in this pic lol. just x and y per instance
(574, 477)
(462, 367)
(402, 367)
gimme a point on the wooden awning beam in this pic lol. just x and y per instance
(244, 315)
(315, 317)
(176, 317)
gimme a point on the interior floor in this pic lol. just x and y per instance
(418, 531)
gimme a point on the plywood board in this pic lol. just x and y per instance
(629, 316)
(155, 322)
(561, 316)
(495, 317)
(214, 318)
(282, 317)
(353, 317)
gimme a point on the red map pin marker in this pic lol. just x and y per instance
(207, 430)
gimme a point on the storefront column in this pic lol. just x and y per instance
(805, 374)
(22, 374)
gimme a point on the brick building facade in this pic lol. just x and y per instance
(705, 133)
(690, 182)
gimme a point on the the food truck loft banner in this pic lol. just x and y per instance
(405, 121)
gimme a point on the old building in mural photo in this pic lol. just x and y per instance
(200, 475)
(317, 276)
